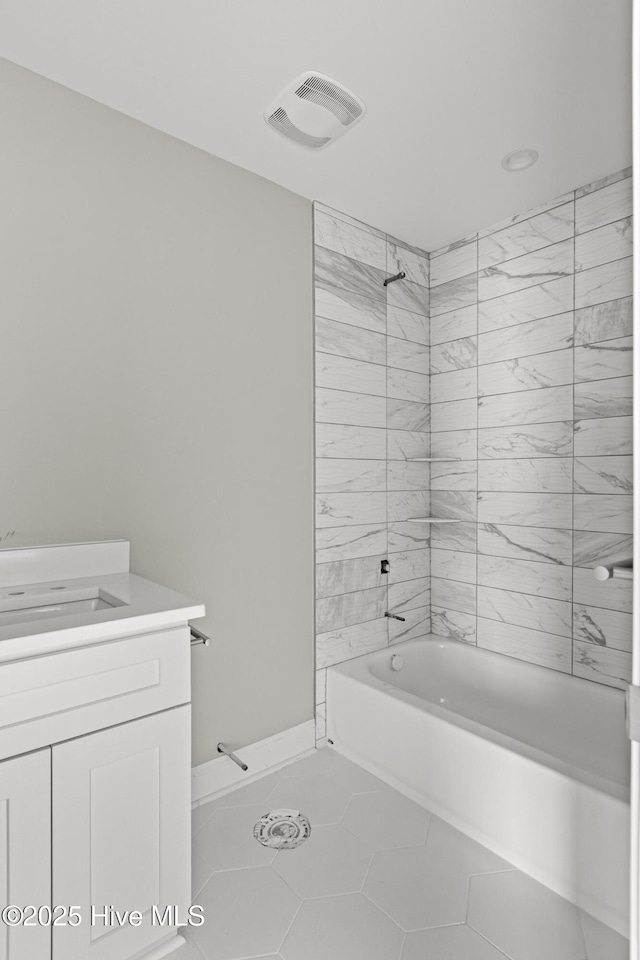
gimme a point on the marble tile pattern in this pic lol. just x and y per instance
(531, 387)
(372, 416)
(509, 352)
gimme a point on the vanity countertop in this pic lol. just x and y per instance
(45, 616)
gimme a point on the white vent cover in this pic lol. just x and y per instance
(314, 110)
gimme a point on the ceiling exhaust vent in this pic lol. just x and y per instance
(314, 110)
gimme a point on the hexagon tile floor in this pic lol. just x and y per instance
(379, 878)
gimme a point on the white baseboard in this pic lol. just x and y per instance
(217, 777)
(164, 949)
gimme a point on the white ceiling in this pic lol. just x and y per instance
(450, 86)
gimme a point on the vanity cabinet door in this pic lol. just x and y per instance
(121, 833)
(25, 851)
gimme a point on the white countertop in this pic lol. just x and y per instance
(146, 607)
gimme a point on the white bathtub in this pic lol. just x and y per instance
(532, 763)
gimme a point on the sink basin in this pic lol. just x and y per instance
(20, 607)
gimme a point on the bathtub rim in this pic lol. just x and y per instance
(357, 671)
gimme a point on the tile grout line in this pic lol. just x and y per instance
(449, 314)
(430, 447)
(532, 320)
(386, 314)
(364, 426)
(477, 528)
(573, 450)
(583, 233)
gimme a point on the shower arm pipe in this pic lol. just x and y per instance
(396, 276)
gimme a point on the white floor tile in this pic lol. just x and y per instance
(202, 956)
(331, 861)
(353, 904)
(226, 841)
(387, 819)
(461, 851)
(349, 775)
(524, 919)
(458, 942)
(319, 798)
(199, 816)
(417, 889)
(189, 952)
(348, 927)
(315, 763)
(200, 873)
(256, 792)
(247, 913)
(602, 942)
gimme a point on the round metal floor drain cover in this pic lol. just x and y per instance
(282, 829)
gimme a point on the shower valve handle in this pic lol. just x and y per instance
(394, 616)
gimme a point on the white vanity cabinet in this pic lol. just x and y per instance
(121, 832)
(25, 850)
(101, 821)
(95, 757)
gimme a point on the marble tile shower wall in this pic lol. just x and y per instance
(530, 333)
(372, 416)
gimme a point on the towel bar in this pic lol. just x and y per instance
(620, 571)
(232, 756)
(197, 637)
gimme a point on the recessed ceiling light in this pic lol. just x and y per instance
(519, 160)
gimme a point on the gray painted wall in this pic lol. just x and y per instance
(157, 383)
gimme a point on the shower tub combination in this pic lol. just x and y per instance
(531, 763)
